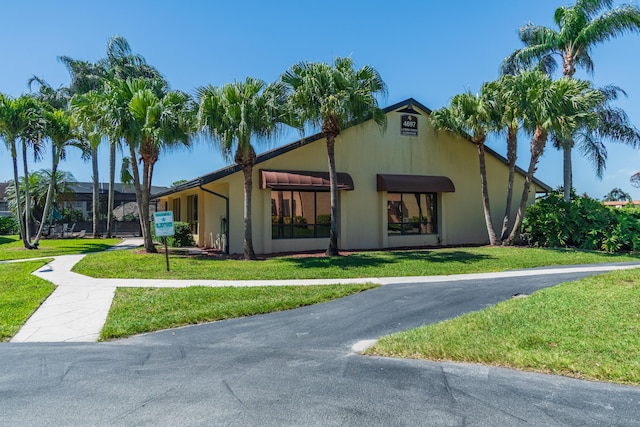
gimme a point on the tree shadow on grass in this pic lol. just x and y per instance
(6, 239)
(377, 259)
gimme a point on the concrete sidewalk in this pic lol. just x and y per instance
(77, 310)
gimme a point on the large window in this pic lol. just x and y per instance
(300, 214)
(412, 213)
(175, 207)
(192, 213)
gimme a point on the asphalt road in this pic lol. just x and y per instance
(297, 368)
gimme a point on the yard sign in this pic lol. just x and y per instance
(163, 223)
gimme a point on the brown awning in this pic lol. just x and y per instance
(302, 180)
(414, 184)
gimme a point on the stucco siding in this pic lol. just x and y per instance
(363, 151)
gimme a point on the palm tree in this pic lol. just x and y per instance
(580, 28)
(163, 124)
(617, 195)
(40, 183)
(472, 116)
(234, 115)
(120, 64)
(87, 77)
(506, 116)
(61, 132)
(21, 122)
(85, 112)
(551, 109)
(334, 97)
(610, 124)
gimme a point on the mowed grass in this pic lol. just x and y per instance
(138, 310)
(129, 264)
(11, 247)
(21, 294)
(586, 329)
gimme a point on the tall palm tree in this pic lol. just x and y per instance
(59, 128)
(164, 123)
(236, 114)
(87, 77)
(470, 115)
(21, 122)
(121, 63)
(61, 132)
(579, 28)
(610, 124)
(551, 108)
(85, 111)
(617, 195)
(507, 117)
(333, 97)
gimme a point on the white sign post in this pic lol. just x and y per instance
(163, 224)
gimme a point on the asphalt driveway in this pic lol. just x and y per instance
(297, 368)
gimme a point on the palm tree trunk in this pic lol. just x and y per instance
(333, 250)
(112, 180)
(27, 196)
(537, 146)
(47, 203)
(136, 185)
(568, 70)
(96, 192)
(144, 208)
(567, 170)
(249, 253)
(512, 156)
(493, 239)
(16, 183)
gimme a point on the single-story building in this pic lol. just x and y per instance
(407, 187)
(622, 203)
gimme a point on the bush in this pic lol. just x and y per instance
(182, 237)
(584, 223)
(9, 225)
(71, 215)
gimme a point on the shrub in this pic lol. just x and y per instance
(584, 223)
(182, 237)
(71, 215)
(9, 225)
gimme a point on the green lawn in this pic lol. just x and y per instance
(138, 310)
(128, 264)
(11, 247)
(21, 294)
(585, 329)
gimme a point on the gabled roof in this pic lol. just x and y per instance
(228, 170)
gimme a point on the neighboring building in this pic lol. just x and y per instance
(124, 198)
(406, 187)
(125, 207)
(621, 203)
(4, 204)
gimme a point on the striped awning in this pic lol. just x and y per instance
(302, 180)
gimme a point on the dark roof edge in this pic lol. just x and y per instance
(267, 155)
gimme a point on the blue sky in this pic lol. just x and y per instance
(430, 51)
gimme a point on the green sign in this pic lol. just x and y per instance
(163, 223)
